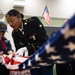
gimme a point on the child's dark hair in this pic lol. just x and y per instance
(14, 12)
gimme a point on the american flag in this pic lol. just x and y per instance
(46, 15)
(59, 48)
(12, 61)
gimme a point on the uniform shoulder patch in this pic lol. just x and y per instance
(28, 20)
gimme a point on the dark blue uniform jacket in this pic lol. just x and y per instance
(34, 35)
(7, 45)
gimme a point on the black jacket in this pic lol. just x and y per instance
(34, 35)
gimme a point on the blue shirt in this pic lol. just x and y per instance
(8, 46)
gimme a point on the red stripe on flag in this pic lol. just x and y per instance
(46, 16)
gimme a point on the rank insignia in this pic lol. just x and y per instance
(33, 37)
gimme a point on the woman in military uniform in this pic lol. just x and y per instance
(28, 34)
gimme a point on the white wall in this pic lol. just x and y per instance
(6, 5)
(57, 8)
(9, 36)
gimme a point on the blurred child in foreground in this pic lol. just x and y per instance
(5, 48)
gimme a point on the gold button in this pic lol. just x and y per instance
(40, 25)
(25, 23)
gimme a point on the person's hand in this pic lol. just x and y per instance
(11, 52)
(1, 60)
(22, 51)
(1, 53)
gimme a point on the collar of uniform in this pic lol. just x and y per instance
(21, 29)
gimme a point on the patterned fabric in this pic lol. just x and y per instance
(12, 61)
(24, 72)
(47, 16)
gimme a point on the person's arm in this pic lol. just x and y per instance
(16, 42)
(40, 35)
(9, 48)
(1, 53)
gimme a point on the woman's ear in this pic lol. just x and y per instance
(18, 16)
